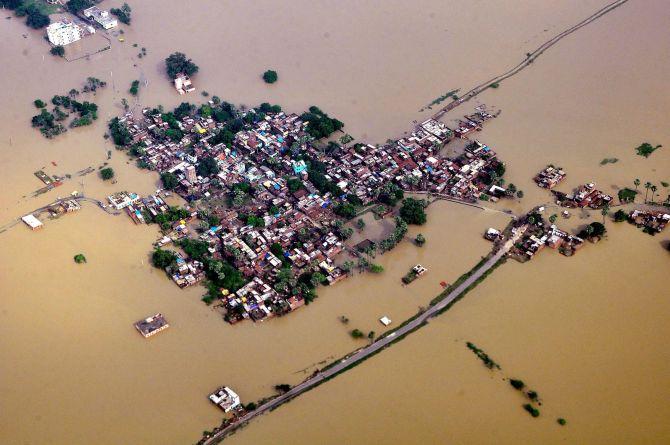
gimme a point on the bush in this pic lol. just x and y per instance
(107, 173)
(39, 103)
(561, 421)
(357, 333)
(270, 76)
(420, 240)
(517, 384)
(57, 50)
(79, 258)
(620, 216)
(531, 409)
(134, 87)
(376, 268)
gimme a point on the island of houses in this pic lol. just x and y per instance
(274, 201)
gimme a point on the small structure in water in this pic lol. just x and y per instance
(225, 398)
(32, 222)
(414, 273)
(152, 325)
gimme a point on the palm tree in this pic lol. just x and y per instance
(637, 183)
(605, 211)
(653, 193)
(647, 185)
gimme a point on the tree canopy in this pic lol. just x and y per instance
(169, 180)
(412, 211)
(270, 76)
(178, 63)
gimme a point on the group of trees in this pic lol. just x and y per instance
(36, 17)
(390, 194)
(48, 124)
(75, 6)
(592, 231)
(412, 211)
(398, 234)
(319, 124)
(122, 13)
(120, 133)
(177, 63)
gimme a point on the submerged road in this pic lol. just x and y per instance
(530, 58)
(369, 350)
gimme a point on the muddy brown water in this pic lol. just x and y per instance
(587, 332)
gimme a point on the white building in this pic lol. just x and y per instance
(182, 84)
(122, 200)
(101, 16)
(63, 33)
(32, 222)
(225, 398)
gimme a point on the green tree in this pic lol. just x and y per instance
(120, 133)
(74, 6)
(207, 167)
(57, 50)
(412, 211)
(653, 189)
(39, 103)
(163, 259)
(107, 173)
(605, 211)
(420, 240)
(169, 180)
(134, 87)
(270, 76)
(178, 63)
(79, 258)
(376, 268)
(619, 216)
(636, 182)
(123, 13)
(647, 186)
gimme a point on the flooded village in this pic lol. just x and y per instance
(272, 203)
(556, 335)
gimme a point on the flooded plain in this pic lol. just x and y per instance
(588, 332)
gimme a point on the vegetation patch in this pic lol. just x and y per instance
(646, 149)
(178, 63)
(79, 258)
(270, 76)
(122, 13)
(483, 356)
(531, 410)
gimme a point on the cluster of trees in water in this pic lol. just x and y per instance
(36, 13)
(50, 123)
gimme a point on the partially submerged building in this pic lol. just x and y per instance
(225, 398)
(101, 17)
(63, 33)
(152, 325)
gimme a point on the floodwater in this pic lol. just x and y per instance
(75, 371)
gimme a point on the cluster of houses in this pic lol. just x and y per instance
(55, 210)
(549, 177)
(70, 30)
(652, 221)
(282, 191)
(585, 196)
(537, 234)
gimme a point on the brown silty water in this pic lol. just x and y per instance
(75, 371)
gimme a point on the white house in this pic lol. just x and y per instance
(101, 16)
(225, 398)
(63, 33)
